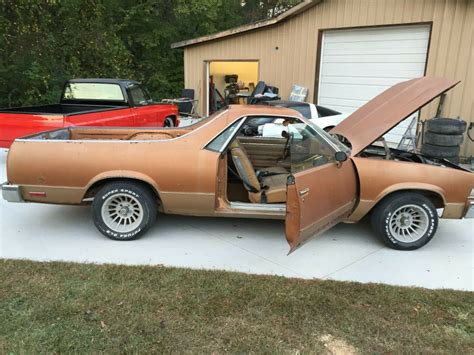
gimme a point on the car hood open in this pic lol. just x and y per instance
(386, 110)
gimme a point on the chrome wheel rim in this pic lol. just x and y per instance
(409, 223)
(122, 213)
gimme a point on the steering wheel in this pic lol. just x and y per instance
(289, 139)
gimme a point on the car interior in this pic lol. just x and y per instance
(258, 166)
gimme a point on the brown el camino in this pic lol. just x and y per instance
(227, 166)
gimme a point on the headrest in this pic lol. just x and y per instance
(235, 144)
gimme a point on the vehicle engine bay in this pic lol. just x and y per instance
(384, 152)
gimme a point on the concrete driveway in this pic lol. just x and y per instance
(347, 252)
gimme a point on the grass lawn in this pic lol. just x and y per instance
(63, 307)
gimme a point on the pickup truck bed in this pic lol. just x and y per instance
(110, 134)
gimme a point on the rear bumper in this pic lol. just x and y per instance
(11, 193)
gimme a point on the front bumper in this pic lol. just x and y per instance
(11, 193)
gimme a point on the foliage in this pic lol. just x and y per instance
(46, 42)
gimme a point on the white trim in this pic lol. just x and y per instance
(321, 66)
(314, 111)
(206, 95)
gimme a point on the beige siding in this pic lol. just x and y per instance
(450, 53)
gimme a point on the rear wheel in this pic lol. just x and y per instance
(405, 221)
(124, 210)
(169, 122)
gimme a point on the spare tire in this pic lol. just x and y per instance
(446, 126)
(445, 140)
(440, 152)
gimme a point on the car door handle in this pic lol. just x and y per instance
(304, 191)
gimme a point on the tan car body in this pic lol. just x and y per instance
(191, 180)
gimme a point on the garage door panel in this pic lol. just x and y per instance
(358, 64)
(375, 72)
(359, 80)
(376, 58)
(355, 68)
(406, 46)
(346, 104)
(338, 91)
(382, 34)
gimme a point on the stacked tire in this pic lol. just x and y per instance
(443, 138)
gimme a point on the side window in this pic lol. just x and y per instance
(220, 142)
(308, 148)
(138, 96)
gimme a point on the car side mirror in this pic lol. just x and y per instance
(340, 156)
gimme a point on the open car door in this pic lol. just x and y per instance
(321, 191)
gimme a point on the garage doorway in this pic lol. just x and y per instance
(230, 82)
(358, 64)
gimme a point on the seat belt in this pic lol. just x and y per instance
(246, 183)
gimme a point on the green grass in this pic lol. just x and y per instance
(63, 307)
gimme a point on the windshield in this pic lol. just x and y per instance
(338, 144)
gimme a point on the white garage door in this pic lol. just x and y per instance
(358, 64)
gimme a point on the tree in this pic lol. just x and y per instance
(44, 43)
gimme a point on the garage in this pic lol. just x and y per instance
(230, 82)
(344, 52)
(358, 64)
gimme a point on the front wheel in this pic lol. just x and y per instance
(405, 221)
(124, 210)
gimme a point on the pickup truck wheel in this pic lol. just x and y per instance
(405, 221)
(169, 122)
(123, 210)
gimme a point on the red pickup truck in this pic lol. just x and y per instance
(89, 102)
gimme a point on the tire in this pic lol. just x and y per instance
(405, 221)
(445, 140)
(446, 126)
(169, 122)
(440, 152)
(124, 210)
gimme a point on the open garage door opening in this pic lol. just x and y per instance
(358, 64)
(230, 82)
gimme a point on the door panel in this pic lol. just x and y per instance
(146, 116)
(317, 199)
